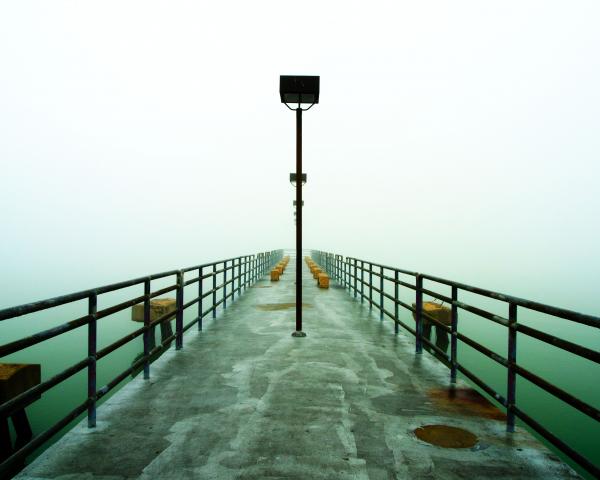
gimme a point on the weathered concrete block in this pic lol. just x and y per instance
(441, 313)
(323, 280)
(316, 272)
(15, 378)
(275, 275)
(158, 308)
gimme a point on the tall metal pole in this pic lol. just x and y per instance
(299, 332)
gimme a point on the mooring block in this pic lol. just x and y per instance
(323, 280)
(15, 378)
(436, 310)
(158, 308)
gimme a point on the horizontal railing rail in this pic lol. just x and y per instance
(358, 277)
(235, 276)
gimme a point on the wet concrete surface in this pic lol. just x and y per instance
(245, 400)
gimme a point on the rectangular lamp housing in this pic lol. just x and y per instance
(299, 89)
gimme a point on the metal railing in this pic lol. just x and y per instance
(357, 276)
(236, 275)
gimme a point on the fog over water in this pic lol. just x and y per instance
(453, 138)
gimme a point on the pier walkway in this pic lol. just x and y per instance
(243, 399)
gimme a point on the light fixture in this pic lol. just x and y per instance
(299, 90)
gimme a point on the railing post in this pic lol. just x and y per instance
(240, 277)
(512, 360)
(380, 293)
(453, 337)
(355, 277)
(370, 285)
(396, 302)
(200, 293)
(148, 331)
(246, 272)
(225, 285)
(336, 268)
(233, 280)
(92, 344)
(362, 281)
(214, 291)
(336, 262)
(179, 315)
(347, 283)
(419, 314)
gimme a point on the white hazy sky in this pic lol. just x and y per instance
(458, 138)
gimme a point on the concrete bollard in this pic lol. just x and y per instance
(323, 280)
(435, 310)
(440, 313)
(158, 308)
(316, 272)
(16, 378)
(275, 275)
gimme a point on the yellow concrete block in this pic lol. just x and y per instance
(439, 312)
(158, 308)
(279, 269)
(323, 280)
(15, 378)
(275, 275)
(316, 273)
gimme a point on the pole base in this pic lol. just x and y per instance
(298, 333)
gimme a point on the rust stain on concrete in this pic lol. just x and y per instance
(465, 401)
(446, 437)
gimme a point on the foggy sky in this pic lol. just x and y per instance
(454, 138)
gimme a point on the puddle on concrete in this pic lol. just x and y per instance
(465, 401)
(271, 307)
(445, 436)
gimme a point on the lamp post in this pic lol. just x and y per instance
(298, 90)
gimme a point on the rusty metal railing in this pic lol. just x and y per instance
(235, 274)
(357, 276)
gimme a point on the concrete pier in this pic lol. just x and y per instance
(246, 400)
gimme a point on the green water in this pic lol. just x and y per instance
(575, 375)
